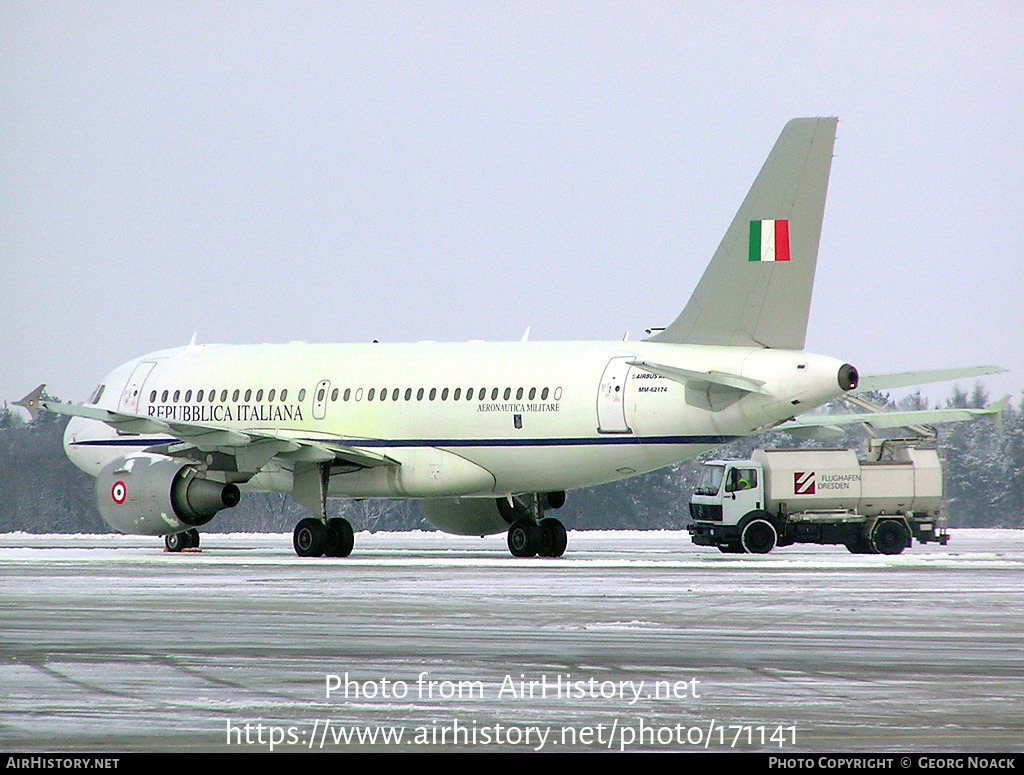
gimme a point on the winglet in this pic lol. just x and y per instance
(32, 402)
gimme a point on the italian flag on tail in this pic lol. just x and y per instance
(769, 240)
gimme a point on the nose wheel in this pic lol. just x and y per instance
(182, 541)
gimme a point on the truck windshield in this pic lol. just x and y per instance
(710, 480)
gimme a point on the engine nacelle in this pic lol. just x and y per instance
(464, 516)
(148, 494)
(486, 516)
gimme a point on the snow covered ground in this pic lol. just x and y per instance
(634, 640)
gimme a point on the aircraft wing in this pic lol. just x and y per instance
(252, 449)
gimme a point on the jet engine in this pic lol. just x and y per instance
(149, 494)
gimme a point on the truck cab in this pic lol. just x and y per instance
(728, 493)
(728, 489)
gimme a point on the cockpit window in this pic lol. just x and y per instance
(97, 394)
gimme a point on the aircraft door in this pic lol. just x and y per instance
(133, 389)
(320, 399)
(611, 397)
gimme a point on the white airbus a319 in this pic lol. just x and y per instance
(487, 436)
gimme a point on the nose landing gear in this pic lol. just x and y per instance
(180, 542)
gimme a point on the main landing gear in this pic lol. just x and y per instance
(313, 538)
(318, 536)
(530, 532)
(180, 542)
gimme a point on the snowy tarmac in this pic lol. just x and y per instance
(633, 640)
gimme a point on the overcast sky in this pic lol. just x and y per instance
(403, 171)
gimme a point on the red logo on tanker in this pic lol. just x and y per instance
(803, 483)
(119, 492)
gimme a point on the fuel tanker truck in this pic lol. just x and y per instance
(782, 497)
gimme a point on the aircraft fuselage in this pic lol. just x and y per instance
(469, 419)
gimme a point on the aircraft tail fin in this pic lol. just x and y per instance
(757, 289)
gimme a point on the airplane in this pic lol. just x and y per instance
(488, 437)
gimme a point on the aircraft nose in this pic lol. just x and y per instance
(848, 377)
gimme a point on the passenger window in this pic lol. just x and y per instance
(419, 394)
(383, 394)
(177, 395)
(199, 396)
(334, 394)
(433, 393)
(284, 395)
(557, 394)
(259, 395)
(469, 394)
(270, 395)
(444, 394)
(395, 393)
(302, 395)
(371, 394)
(508, 393)
(223, 396)
(533, 393)
(544, 394)
(456, 394)
(359, 394)
(152, 397)
(519, 394)
(348, 393)
(188, 396)
(248, 395)
(408, 394)
(494, 394)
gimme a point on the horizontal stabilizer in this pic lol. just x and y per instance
(686, 376)
(910, 378)
(815, 432)
(882, 420)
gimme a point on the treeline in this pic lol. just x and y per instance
(41, 491)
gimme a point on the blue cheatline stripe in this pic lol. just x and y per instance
(617, 440)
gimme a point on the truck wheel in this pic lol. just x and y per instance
(860, 546)
(890, 536)
(759, 536)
